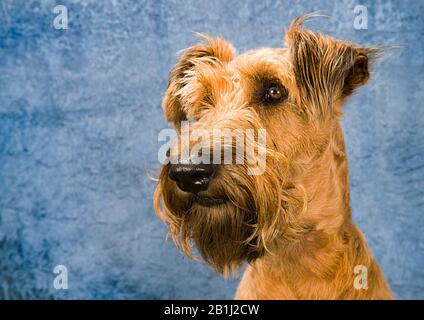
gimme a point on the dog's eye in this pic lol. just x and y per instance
(275, 94)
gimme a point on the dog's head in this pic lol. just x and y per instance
(293, 95)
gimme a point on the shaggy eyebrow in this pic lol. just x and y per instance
(252, 69)
(258, 71)
(265, 79)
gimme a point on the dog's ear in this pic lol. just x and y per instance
(359, 70)
(215, 48)
(326, 69)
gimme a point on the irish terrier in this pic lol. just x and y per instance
(292, 220)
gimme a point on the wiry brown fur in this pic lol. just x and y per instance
(292, 223)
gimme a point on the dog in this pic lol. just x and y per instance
(292, 222)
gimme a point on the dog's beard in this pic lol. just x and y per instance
(222, 234)
(226, 234)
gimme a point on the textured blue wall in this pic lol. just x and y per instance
(79, 118)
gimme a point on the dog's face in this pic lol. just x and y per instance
(293, 93)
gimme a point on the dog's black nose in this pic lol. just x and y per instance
(192, 178)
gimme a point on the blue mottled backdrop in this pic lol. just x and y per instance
(79, 117)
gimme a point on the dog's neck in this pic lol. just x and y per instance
(324, 185)
(325, 182)
(330, 248)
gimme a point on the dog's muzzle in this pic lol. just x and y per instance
(192, 178)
